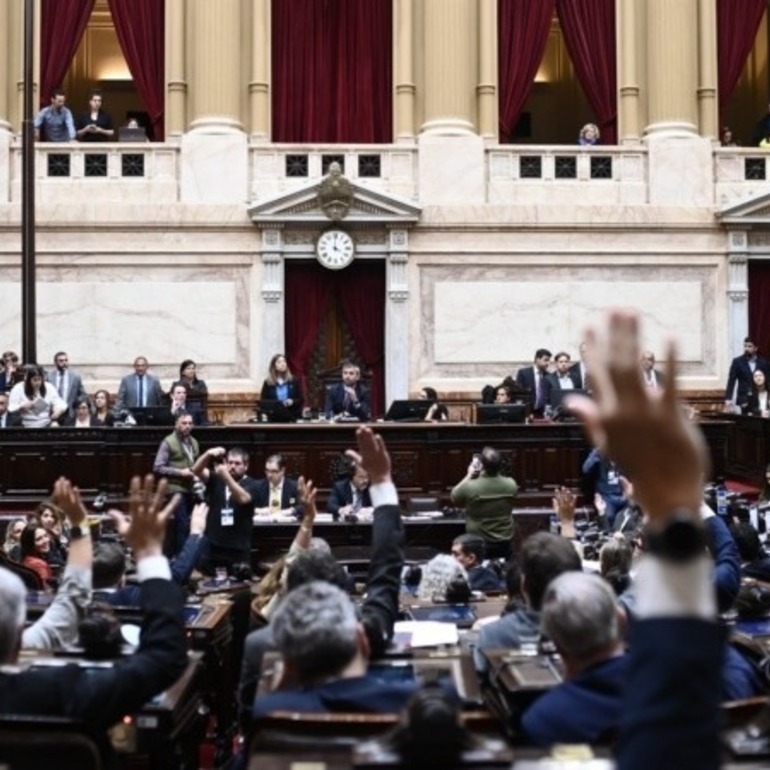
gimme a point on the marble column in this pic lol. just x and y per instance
(259, 83)
(5, 85)
(629, 126)
(487, 85)
(737, 291)
(214, 158)
(451, 153)
(176, 87)
(272, 338)
(403, 54)
(397, 316)
(708, 70)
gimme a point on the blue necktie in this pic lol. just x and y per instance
(141, 390)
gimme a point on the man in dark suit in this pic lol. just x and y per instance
(139, 389)
(741, 377)
(350, 495)
(179, 403)
(348, 399)
(532, 378)
(560, 379)
(653, 378)
(326, 659)
(579, 371)
(670, 717)
(8, 419)
(68, 384)
(276, 494)
(100, 697)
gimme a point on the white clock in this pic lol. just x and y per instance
(335, 249)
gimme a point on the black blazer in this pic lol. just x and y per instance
(289, 495)
(268, 393)
(740, 372)
(12, 420)
(752, 405)
(335, 402)
(102, 697)
(342, 495)
(525, 379)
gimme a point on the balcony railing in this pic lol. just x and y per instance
(740, 172)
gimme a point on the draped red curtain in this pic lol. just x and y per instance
(523, 27)
(307, 293)
(737, 25)
(140, 25)
(588, 27)
(759, 304)
(62, 23)
(332, 71)
(364, 311)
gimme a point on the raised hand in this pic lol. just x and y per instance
(372, 455)
(68, 499)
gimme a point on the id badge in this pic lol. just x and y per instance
(612, 476)
(227, 519)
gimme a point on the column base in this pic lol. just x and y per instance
(680, 170)
(214, 124)
(448, 127)
(214, 168)
(451, 169)
(671, 128)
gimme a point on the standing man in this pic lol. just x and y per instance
(532, 378)
(742, 368)
(54, 123)
(275, 494)
(175, 460)
(653, 378)
(579, 372)
(8, 419)
(348, 399)
(230, 493)
(561, 378)
(139, 389)
(351, 495)
(68, 384)
(488, 500)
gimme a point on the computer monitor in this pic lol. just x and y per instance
(408, 410)
(275, 411)
(132, 135)
(557, 396)
(508, 413)
(152, 415)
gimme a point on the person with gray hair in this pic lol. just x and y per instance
(438, 575)
(580, 616)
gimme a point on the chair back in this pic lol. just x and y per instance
(29, 577)
(27, 742)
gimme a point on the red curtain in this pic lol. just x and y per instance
(759, 304)
(62, 23)
(588, 27)
(140, 25)
(307, 298)
(523, 27)
(737, 25)
(332, 71)
(364, 311)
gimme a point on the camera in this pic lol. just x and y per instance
(199, 491)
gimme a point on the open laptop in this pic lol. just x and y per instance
(152, 415)
(275, 411)
(132, 134)
(408, 410)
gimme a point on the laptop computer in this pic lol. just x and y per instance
(152, 415)
(509, 413)
(275, 411)
(132, 135)
(408, 410)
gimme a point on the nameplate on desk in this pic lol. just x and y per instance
(424, 633)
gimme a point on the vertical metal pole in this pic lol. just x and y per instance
(28, 310)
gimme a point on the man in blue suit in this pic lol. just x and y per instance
(348, 399)
(740, 379)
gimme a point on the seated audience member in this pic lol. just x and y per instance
(58, 626)
(103, 417)
(10, 366)
(589, 134)
(82, 417)
(488, 499)
(532, 379)
(49, 516)
(502, 395)
(543, 557)
(615, 558)
(605, 477)
(437, 411)
(628, 519)
(179, 405)
(280, 385)
(755, 562)
(38, 403)
(726, 138)
(764, 143)
(102, 697)
(139, 389)
(470, 552)
(35, 546)
(440, 577)
(348, 399)
(8, 419)
(94, 125)
(276, 494)
(350, 495)
(758, 404)
(12, 544)
(325, 648)
(109, 569)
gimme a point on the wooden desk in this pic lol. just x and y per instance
(428, 458)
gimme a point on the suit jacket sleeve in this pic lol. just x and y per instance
(363, 411)
(184, 564)
(121, 402)
(267, 393)
(338, 497)
(727, 562)
(731, 380)
(384, 580)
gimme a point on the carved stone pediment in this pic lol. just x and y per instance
(751, 213)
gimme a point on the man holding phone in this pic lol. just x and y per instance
(488, 499)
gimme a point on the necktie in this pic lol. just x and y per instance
(275, 498)
(61, 385)
(141, 390)
(538, 391)
(357, 500)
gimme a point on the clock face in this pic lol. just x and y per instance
(335, 249)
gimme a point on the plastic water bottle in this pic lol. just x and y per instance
(722, 501)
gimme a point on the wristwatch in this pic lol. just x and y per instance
(682, 539)
(77, 532)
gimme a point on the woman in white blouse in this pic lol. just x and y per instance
(36, 401)
(758, 405)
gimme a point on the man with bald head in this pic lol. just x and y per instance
(140, 388)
